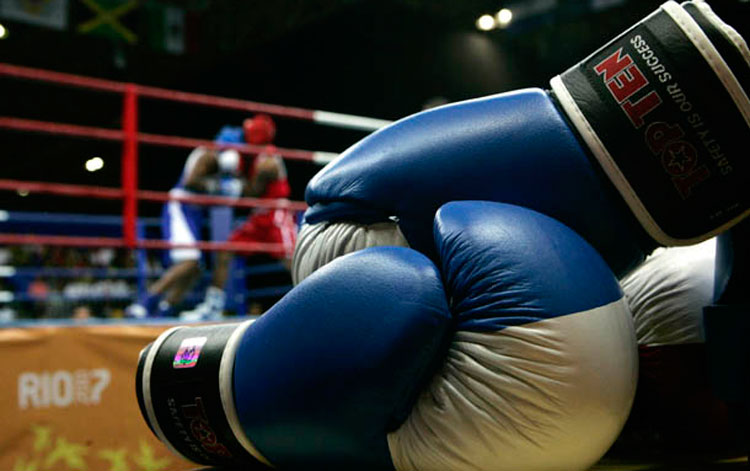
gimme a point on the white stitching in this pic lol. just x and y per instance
(701, 42)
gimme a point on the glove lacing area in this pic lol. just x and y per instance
(318, 244)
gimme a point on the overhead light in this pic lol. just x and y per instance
(22, 192)
(485, 22)
(3, 32)
(504, 17)
(94, 164)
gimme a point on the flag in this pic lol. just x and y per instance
(46, 13)
(166, 28)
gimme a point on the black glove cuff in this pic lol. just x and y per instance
(185, 391)
(664, 108)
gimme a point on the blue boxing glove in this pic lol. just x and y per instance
(515, 352)
(641, 144)
(230, 186)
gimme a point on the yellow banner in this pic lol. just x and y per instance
(68, 401)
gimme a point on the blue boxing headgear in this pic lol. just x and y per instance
(229, 160)
(230, 135)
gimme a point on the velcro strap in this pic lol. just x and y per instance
(664, 108)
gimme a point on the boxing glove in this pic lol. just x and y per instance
(675, 407)
(230, 186)
(641, 144)
(668, 292)
(515, 352)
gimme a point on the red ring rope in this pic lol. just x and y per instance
(153, 92)
(75, 130)
(86, 191)
(75, 241)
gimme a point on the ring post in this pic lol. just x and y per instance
(130, 164)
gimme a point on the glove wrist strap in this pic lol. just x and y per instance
(185, 390)
(664, 109)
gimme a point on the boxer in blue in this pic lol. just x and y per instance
(206, 171)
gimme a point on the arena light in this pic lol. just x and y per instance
(94, 164)
(485, 23)
(22, 193)
(3, 31)
(504, 17)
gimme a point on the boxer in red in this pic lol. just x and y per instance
(267, 178)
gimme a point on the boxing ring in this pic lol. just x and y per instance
(133, 231)
(70, 401)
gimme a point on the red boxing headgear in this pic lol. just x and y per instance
(259, 130)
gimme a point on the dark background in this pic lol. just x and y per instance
(382, 59)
